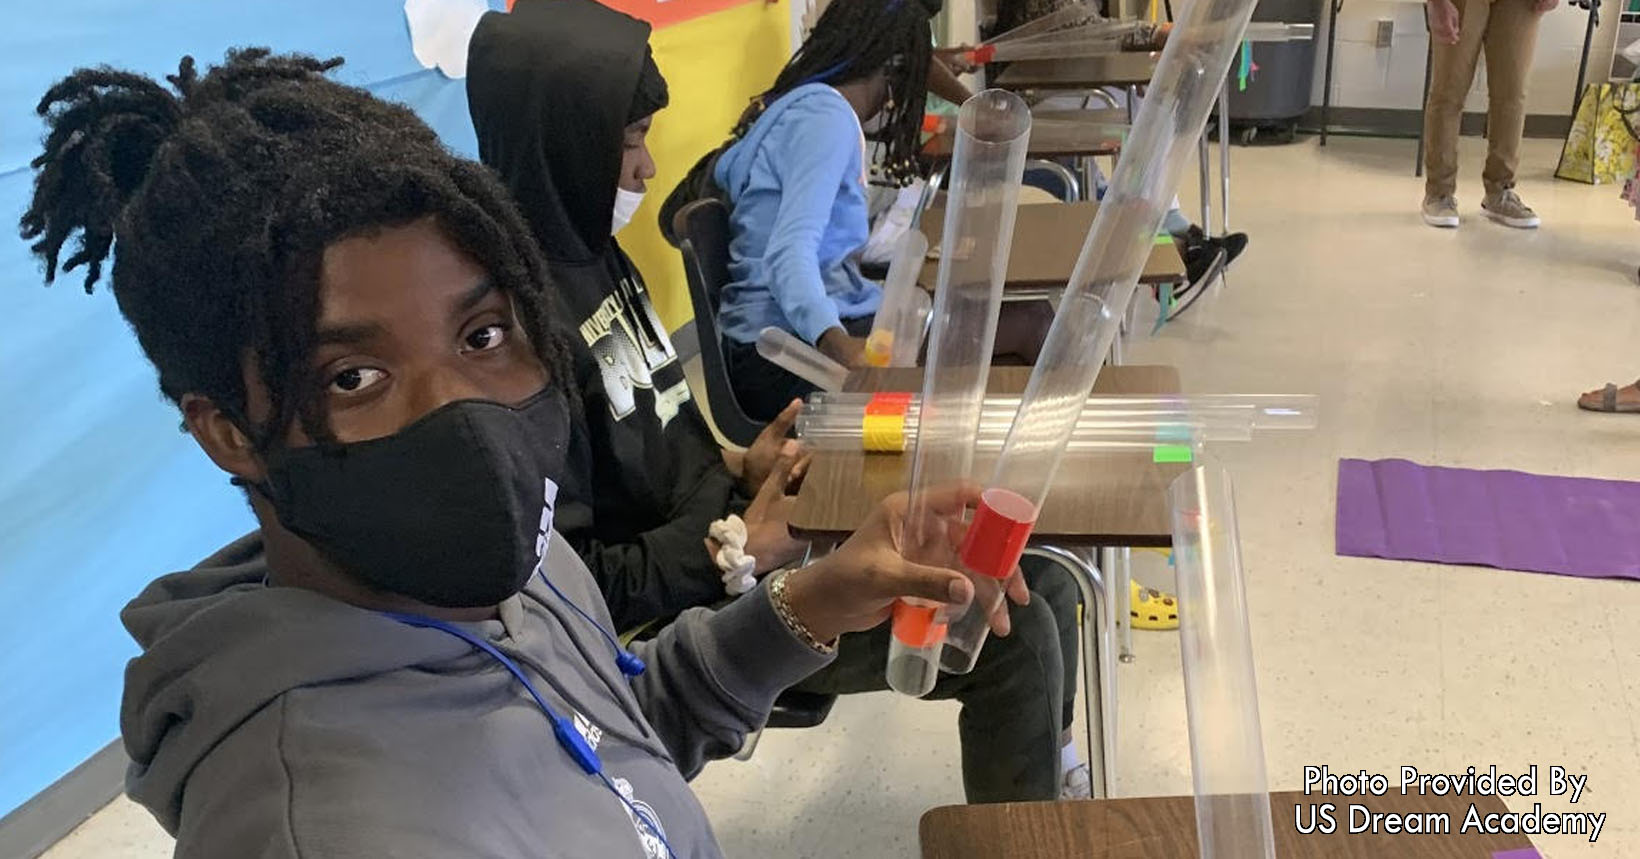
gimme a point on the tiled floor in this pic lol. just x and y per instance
(1457, 348)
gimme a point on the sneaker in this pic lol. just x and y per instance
(1233, 244)
(1441, 212)
(1077, 783)
(1201, 250)
(1506, 208)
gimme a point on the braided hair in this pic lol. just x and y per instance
(855, 39)
(220, 194)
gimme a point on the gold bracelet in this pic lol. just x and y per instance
(783, 610)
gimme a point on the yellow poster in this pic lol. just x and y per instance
(713, 65)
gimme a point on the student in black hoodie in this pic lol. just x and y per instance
(641, 526)
(561, 93)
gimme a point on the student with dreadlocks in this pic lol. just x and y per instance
(795, 176)
(553, 64)
(404, 659)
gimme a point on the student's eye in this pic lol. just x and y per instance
(488, 337)
(355, 379)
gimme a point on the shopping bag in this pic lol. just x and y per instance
(1599, 146)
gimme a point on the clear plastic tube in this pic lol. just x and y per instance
(800, 359)
(987, 164)
(1233, 423)
(1091, 443)
(1221, 691)
(1093, 436)
(857, 428)
(1169, 122)
(897, 331)
(1268, 411)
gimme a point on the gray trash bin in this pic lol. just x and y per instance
(1278, 94)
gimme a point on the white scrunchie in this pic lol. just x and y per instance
(737, 566)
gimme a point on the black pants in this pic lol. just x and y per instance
(1016, 703)
(762, 387)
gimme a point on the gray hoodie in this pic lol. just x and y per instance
(276, 722)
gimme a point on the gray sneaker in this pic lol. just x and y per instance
(1506, 208)
(1441, 211)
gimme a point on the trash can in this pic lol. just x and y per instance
(1278, 92)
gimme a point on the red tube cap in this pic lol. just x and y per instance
(996, 538)
(917, 626)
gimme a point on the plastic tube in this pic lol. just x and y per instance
(1169, 122)
(1264, 411)
(1235, 422)
(800, 359)
(987, 164)
(1093, 436)
(1092, 443)
(897, 331)
(1221, 691)
(882, 430)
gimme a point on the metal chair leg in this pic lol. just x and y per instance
(1098, 690)
(1119, 586)
(749, 745)
(1224, 159)
(1206, 181)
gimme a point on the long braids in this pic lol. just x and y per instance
(855, 39)
(218, 196)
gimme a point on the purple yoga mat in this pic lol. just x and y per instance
(1573, 526)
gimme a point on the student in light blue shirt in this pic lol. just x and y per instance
(795, 180)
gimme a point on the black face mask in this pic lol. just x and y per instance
(454, 510)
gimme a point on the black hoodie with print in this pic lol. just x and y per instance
(550, 87)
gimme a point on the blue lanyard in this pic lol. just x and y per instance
(575, 745)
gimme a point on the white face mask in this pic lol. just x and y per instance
(626, 207)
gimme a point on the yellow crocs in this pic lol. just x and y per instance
(1152, 609)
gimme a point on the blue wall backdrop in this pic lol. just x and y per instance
(99, 491)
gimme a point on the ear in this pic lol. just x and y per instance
(221, 439)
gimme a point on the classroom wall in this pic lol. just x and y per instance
(714, 65)
(99, 491)
(1365, 75)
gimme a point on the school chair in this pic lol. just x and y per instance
(702, 228)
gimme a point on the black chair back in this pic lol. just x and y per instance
(702, 228)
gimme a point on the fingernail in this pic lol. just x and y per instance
(789, 448)
(960, 590)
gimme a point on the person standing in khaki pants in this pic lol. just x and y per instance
(1459, 31)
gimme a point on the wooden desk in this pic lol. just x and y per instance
(1057, 134)
(1164, 827)
(1080, 73)
(1048, 238)
(1098, 498)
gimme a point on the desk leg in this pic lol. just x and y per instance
(1098, 689)
(1119, 587)
(1326, 85)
